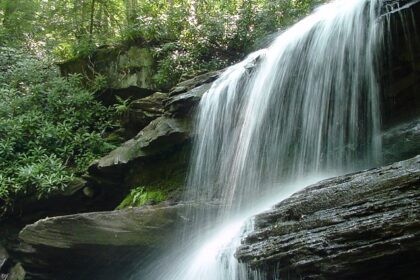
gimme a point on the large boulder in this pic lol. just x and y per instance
(360, 226)
(99, 245)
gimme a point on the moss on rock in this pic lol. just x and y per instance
(140, 196)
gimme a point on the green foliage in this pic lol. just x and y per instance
(16, 19)
(190, 36)
(140, 196)
(122, 106)
(99, 82)
(51, 128)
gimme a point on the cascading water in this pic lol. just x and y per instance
(302, 109)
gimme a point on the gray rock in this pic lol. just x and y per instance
(142, 111)
(196, 82)
(68, 247)
(184, 103)
(122, 66)
(364, 225)
(146, 226)
(158, 137)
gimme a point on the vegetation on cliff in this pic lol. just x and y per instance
(51, 127)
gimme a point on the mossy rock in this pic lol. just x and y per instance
(141, 196)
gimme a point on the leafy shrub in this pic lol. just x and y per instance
(51, 127)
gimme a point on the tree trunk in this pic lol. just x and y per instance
(92, 14)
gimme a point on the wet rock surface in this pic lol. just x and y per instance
(359, 226)
(401, 142)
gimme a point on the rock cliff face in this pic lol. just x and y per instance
(359, 226)
(158, 154)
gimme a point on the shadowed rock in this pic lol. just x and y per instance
(99, 245)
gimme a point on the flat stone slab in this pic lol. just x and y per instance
(99, 245)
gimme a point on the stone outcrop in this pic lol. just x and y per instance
(155, 156)
(364, 225)
(160, 136)
(159, 152)
(123, 67)
(184, 103)
(95, 245)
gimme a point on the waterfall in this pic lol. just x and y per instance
(305, 108)
(307, 104)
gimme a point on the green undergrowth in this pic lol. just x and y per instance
(141, 196)
(51, 128)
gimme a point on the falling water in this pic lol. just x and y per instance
(304, 108)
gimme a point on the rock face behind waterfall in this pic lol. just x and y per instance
(359, 226)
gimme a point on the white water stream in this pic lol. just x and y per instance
(305, 108)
